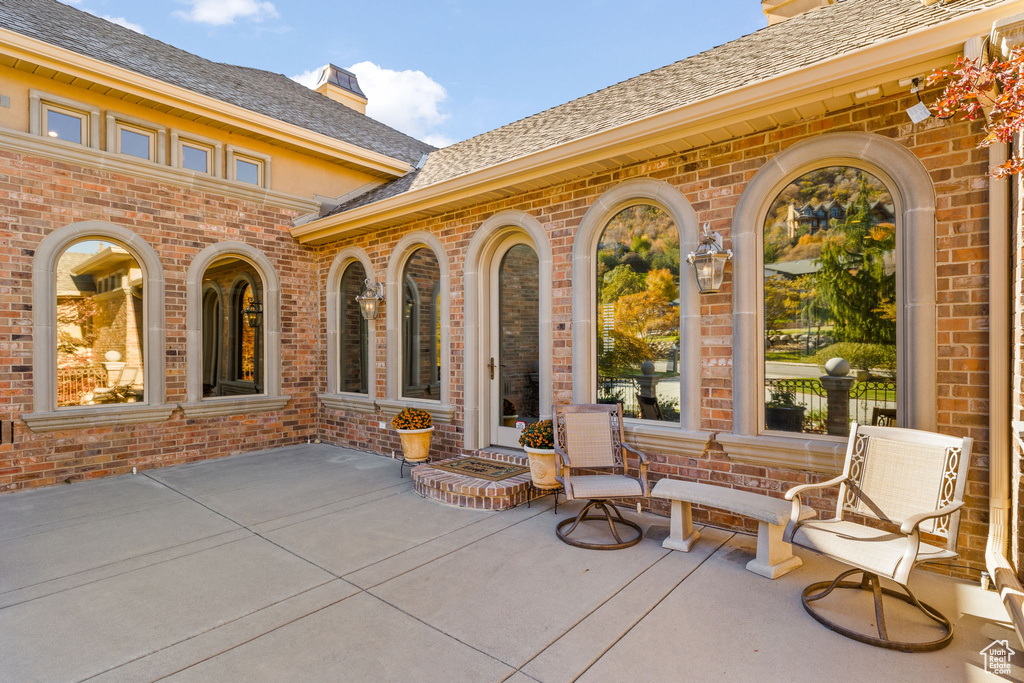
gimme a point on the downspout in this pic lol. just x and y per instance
(1000, 465)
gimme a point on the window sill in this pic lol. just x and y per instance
(441, 414)
(792, 452)
(662, 437)
(221, 406)
(353, 403)
(91, 416)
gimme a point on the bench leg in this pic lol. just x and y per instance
(774, 556)
(681, 535)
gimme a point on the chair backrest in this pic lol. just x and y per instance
(591, 434)
(893, 473)
(127, 377)
(649, 408)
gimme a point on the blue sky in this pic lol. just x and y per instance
(447, 70)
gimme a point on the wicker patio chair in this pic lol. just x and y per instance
(910, 479)
(591, 437)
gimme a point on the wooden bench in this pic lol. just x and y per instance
(774, 556)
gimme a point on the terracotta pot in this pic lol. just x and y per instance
(509, 420)
(415, 443)
(543, 467)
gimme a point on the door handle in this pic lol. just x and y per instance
(491, 366)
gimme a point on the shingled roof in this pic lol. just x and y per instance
(819, 35)
(259, 91)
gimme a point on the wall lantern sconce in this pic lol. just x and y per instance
(253, 314)
(370, 299)
(709, 261)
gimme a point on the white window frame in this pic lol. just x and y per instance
(913, 196)
(157, 134)
(261, 160)
(41, 103)
(214, 148)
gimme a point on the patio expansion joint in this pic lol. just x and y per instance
(122, 573)
(221, 625)
(435, 559)
(643, 616)
(251, 531)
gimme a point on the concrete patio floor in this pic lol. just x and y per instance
(313, 563)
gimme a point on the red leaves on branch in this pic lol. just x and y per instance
(997, 87)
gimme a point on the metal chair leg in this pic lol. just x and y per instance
(872, 582)
(603, 506)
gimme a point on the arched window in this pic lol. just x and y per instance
(70, 267)
(213, 339)
(638, 313)
(234, 332)
(830, 293)
(99, 325)
(353, 348)
(421, 323)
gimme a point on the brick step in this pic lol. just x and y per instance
(471, 492)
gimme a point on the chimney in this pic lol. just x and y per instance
(777, 11)
(341, 85)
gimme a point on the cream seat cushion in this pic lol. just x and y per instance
(605, 486)
(871, 549)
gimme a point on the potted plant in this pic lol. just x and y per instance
(508, 413)
(781, 412)
(538, 440)
(414, 428)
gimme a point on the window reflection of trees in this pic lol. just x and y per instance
(829, 291)
(638, 313)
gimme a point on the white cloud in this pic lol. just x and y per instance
(121, 21)
(409, 101)
(221, 12)
(308, 78)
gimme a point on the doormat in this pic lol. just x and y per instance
(481, 468)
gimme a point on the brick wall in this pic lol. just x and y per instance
(712, 179)
(38, 196)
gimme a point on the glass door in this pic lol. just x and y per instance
(513, 360)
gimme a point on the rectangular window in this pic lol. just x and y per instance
(195, 158)
(194, 153)
(135, 142)
(247, 171)
(63, 119)
(248, 167)
(65, 125)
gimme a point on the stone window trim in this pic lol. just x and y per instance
(46, 416)
(914, 199)
(215, 147)
(271, 398)
(482, 249)
(394, 296)
(116, 122)
(40, 102)
(262, 160)
(584, 309)
(333, 398)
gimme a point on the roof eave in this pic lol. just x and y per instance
(72, 63)
(912, 48)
